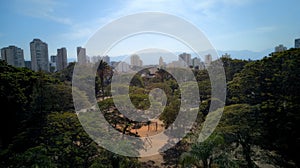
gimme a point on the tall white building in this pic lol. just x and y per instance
(297, 43)
(81, 55)
(207, 60)
(135, 60)
(280, 48)
(61, 59)
(186, 57)
(39, 55)
(161, 62)
(13, 56)
(121, 67)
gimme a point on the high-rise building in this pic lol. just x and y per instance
(53, 58)
(88, 59)
(95, 59)
(161, 62)
(39, 55)
(176, 64)
(81, 55)
(28, 64)
(297, 43)
(207, 60)
(61, 59)
(13, 56)
(106, 59)
(135, 60)
(196, 62)
(121, 66)
(52, 63)
(280, 48)
(186, 57)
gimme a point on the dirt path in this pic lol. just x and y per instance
(155, 127)
(156, 160)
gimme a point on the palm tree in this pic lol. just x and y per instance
(162, 74)
(201, 152)
(104, 72)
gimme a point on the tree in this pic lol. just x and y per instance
(201, 153)
(65, 75)
(104, 74)
(272, 83)
(240, 124)
(162, 74)
(232, 66)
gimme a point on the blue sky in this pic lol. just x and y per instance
(254, 25)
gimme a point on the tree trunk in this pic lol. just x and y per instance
(205, 163)
(210, 162)
(244, 141)
(102, 86)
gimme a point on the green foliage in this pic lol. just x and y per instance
(34, 157)
(64, 143)
(204, 84)
(273, 84)
(103, 78)
(240, 124)
(18, 93)
(170, 112)
(41, 133)
(240, 119)
(65, 74)
(140, 101)
(201, 153)
(137, 81)
(262, 108)
(232, 66)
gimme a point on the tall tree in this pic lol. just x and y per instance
(104, 73)
(201, 153)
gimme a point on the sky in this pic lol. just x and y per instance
(254, 25)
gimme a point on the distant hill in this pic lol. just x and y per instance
(246, 54)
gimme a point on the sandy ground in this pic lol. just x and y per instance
(153, 130)
(156, 140)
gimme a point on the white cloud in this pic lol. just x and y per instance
(265, 29)
(78, 33)
(43, 9)
(204, 12)
(84, 29)
(195, 11)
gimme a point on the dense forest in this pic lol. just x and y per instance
(258, 128)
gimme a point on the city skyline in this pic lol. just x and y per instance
(229, 25)
(14, 55)
(40, 59)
